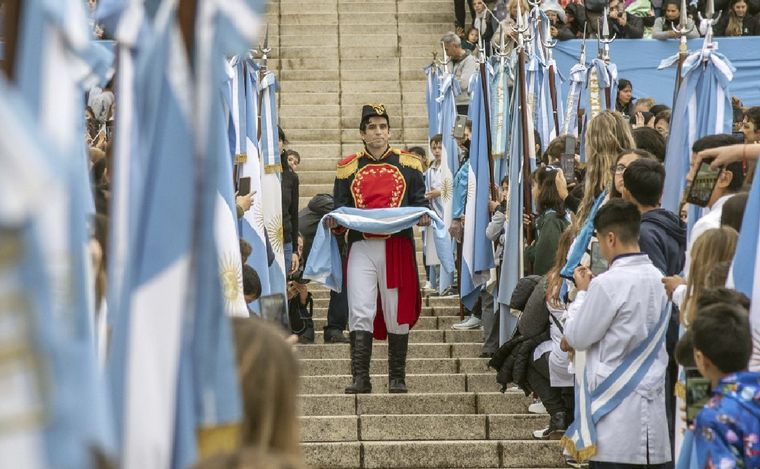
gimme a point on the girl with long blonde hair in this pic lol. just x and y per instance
(268, 375)
(608, 134)
(711, 248)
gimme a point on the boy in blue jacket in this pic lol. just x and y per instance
(727, 430)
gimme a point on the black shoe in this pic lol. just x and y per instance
(397, 348)
(486, 355)
(336, 338)
(555, 430)
(361, 354)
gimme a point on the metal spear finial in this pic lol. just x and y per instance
(582, 59)
(606, 40)
(683, 27)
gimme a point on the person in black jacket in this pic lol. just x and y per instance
(337, 311)
(289, 186)
(623, 25)
(735, 20)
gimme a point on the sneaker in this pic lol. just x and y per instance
(573, 463)
(554, 431)
(451, 291)
(537, 408)
(468, 324)
(427, 286)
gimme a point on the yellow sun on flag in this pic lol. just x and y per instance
(276, 234)
(447, 189)
(231, 277)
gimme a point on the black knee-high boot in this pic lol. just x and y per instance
(361, 353)
(397, 348)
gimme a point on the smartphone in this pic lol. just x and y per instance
(697, 393)
(739, 136)
(703, 184)
(244, 186)
(599, 264)
(273, 308)
(459, 126)
(567, 160)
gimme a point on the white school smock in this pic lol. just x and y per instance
(619, 310)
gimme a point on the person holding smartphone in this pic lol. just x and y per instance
(729, 181)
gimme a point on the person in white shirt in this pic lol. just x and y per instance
(729, 183)
(612, 315)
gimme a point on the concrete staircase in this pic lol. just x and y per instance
(332, 56)
(454, 415)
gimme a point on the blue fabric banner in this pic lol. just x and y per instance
(637, 60)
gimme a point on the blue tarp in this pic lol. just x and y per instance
(637, 60)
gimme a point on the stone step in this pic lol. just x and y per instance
(313, 135)
(322, 367)
(309, 98)
(420, 383)
(326, 39)
(426, 27)
(320, 309)
(424, 322)
(380, 349)
(423, 7)
(315, 19)
(365, 67)
(386, 97)
(305, 63)
(303, 74)
(420, 336)
(510, 402)
(310, 122)
(319, 163)
(410, 427)
(287, 87)
(434, 454)
(368, 8)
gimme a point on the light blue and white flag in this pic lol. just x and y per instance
(55, 63)
(500, 118)
(577, 83)
(512, 263)
(53, 409)
(252, 226)
(592, 406)
(449, 89)
(270, 182)
(744, 275)
(477, 249)
(148, 329)
(540, 66)
(606, 77)
(324, 262)
(432, 91)
(703, 107)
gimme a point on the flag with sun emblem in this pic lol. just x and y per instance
(245, 120)
(449, 90)
(270, 182)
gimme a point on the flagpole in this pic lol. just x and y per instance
(548, 46)
(487, 111)
(606, 40)
(264, 49)
(12, 20)
(682, 30)
(186, 18)
(527, 204)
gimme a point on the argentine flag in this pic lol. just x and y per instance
(270, 182)
(477, 249)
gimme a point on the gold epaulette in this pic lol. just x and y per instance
(410, 161)
(347, 166)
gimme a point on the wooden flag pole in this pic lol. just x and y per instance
(12, 21)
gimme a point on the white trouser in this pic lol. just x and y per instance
(367, 274)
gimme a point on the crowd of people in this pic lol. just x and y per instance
(640, 270)
(629, 19)
(640, 258)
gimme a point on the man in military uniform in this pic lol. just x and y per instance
(382, 270)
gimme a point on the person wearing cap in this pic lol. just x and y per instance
(380, 268)
(556, 15)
